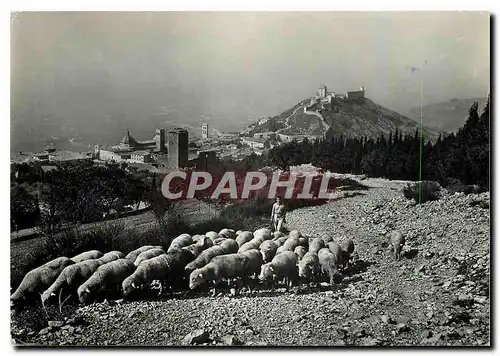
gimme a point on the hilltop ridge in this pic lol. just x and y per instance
(352, 114)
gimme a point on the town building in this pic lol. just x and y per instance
(178, 142)
(131, 150)
(206, 160)
(204, 130)
(253, 142)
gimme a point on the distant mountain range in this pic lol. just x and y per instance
(351, 118)
(446, 116)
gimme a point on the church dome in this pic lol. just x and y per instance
(128, 140)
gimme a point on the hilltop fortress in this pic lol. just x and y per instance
(323, 96)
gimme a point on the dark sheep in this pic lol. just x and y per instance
(347, 249)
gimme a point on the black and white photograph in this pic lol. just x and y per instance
(249, 179)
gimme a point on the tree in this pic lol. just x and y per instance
(24, 208)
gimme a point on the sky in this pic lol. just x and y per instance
(93, 73)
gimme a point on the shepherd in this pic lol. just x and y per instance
(278, 215)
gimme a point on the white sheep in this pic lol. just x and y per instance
(132, 255)
(148, 254)
(220, 267)
(88, 255)
(40, 278)
(180, 242)
(229, 233)
(244, 237)
(212, 235)
(283, 265)
(167, 267)
(71, 277)
(155, 268)
(106, 278)
(263, 232)
(110, 256)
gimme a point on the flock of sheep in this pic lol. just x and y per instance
(193, 261)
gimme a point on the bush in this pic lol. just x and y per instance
(430, 191)
(456, 186)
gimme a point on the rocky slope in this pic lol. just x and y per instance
(438, 294)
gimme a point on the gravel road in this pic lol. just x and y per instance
(438, 294)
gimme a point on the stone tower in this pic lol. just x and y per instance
(204, 130)
(322, 91)
(177, 148)
(97, 151)
(160, 140)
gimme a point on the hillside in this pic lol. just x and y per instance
(351, 118)
(446, 116)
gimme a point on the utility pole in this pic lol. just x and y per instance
(421, 132)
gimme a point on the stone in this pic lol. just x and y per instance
(249, 332)
(420, 269)
(44, 331)
(480, 300)
(401, 328)
(369, 341)
(403, 320)
(386, 319)
(198, 336)
(230, 340)
(55, 323)
(426, 334)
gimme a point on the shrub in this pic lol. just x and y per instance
(456, 186)
(430, 191)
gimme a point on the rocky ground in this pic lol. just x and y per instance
(437, 295)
